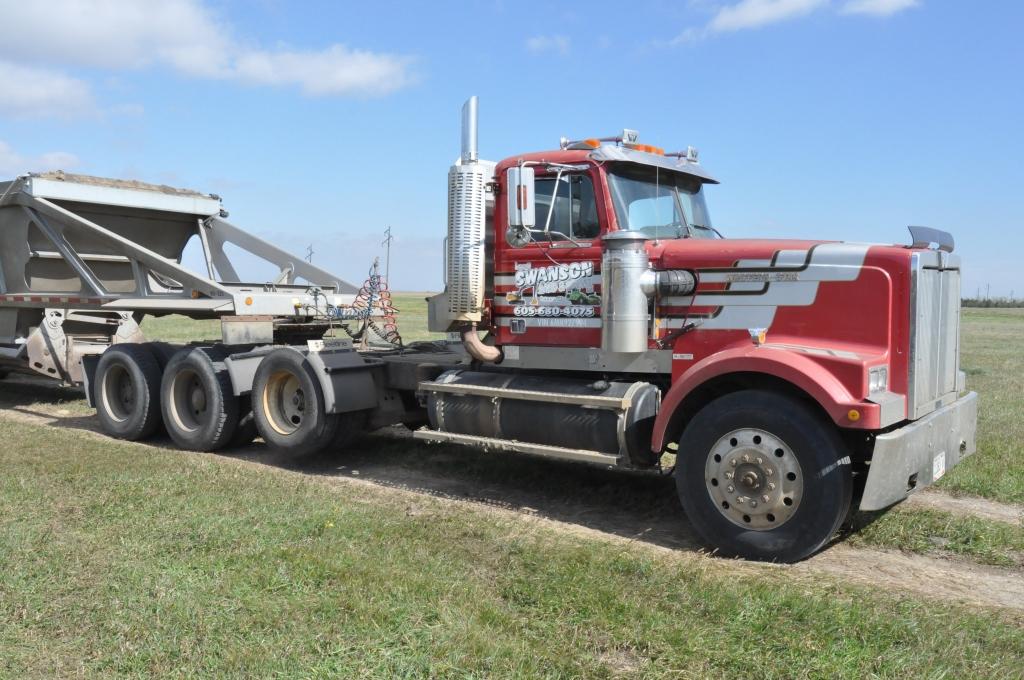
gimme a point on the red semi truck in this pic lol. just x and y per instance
(794, 381)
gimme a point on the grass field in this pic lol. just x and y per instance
(128, 559)
(992, 355)
(121, 559)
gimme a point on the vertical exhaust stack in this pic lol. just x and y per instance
(467, 224)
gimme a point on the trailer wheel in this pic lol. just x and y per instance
(351, 426)
(199, 408)
(763, 477)
(246, 431)
(128, 391)
(288, 405)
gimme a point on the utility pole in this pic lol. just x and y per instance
(988, 289)
(309, 253)
(388, 238)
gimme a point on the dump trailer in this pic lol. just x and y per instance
(598, 317)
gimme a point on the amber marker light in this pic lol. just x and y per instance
(853, 414)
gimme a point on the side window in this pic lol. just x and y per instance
(574, 212)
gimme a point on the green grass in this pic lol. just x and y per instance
(992, 356)
(936, 532)
(120, 559)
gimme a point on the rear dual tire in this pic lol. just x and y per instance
(127, 392)
(200, 410)
(289, 409)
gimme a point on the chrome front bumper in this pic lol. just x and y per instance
(919, 453)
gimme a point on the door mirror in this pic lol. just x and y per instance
(521, 199)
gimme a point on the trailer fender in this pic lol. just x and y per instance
(792, 367)
(347, 379)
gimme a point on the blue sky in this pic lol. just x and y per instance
(324, 122)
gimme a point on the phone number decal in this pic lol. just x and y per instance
(568, 310)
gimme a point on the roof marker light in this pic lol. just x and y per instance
(627, 138)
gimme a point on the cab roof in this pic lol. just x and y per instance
(612, 153)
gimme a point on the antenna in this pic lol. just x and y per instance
(388, 238)
(309, 253)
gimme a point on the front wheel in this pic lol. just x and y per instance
(762, 476)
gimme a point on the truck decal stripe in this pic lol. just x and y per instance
(791, 278)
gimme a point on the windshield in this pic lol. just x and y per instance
(659, 203)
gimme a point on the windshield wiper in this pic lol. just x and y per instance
(707, 228)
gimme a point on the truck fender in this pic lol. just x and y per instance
(792, 367)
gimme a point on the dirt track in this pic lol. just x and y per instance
(638, 509)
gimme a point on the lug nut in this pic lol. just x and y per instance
(760, 461)
(753, 504)
(746, 458)
(769, 472)
(728, 475)
(771, 486)
(730, 488)
(766, 498)
(733, 462)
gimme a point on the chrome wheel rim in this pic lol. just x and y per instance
(754, 479)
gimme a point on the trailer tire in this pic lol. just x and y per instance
(246, 431)
(351, 427)
(288, 405)
(127, 388)
(762, 476)
(199, 407)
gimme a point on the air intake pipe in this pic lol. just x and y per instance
(627, 285)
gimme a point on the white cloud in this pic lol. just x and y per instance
(115, 34)
(336, 70)
(748, 14)
(878, 8)
(29, 92)
(190, 38)
(757, 13)
(13, 163)
(540, 44)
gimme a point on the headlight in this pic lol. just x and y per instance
(878, 379)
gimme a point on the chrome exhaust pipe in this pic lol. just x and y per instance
(476, 348)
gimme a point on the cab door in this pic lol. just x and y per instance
(548, 285)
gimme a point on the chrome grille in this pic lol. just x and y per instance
(935, 331)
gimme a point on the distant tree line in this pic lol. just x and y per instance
(992, 302)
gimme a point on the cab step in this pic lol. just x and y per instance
(493, 444)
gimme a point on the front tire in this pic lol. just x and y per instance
(762, 476)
